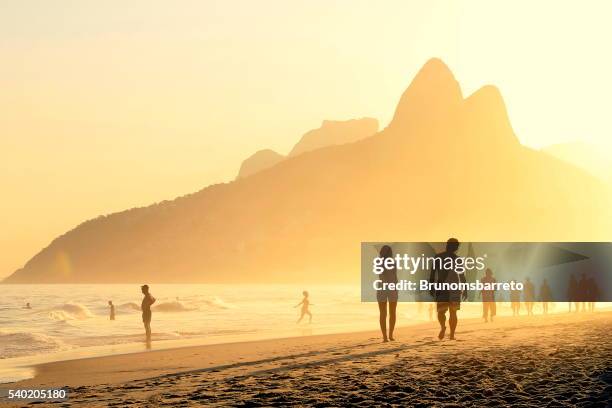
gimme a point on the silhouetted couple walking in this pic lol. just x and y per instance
(446, 300)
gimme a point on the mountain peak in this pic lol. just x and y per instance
(438, 66)
(433, 93)
(485, 114)
(489, 93)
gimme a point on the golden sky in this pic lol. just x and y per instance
(110, 105)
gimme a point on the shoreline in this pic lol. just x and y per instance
(230, 350)
(553, 360)
(26, 365)
(19, 368)
(197, 358)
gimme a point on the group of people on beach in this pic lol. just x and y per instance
(581, 293)
(489, 303)
(148, 300)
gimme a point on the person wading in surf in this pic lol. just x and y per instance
(147, 301)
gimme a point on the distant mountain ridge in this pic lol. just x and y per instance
(259, 161)
(335, 132)
(444, 166)
(331, 132)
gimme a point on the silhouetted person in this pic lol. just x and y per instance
(27, 306)
(488, 297)
(593, 293)
(572, 292)
(529, 296)
(112, 309)
(583, 291)
(389, 275)
(147, 301)
(305, 311)
(447, 300)
(515, 300)
(545, 296)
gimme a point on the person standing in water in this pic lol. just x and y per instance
(147, 301)
(447, 300)
(112, 309)
(389, 275)
(305, 311)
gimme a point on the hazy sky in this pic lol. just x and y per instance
(107, 105)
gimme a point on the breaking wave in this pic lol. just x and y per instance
(129, 306)
(218, 302)
(70, 311)
(174, 306)
(19, 344)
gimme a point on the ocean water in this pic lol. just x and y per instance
(72, 321)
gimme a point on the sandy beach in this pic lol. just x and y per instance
(558, 360)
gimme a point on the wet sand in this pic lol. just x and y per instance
(559, 360)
